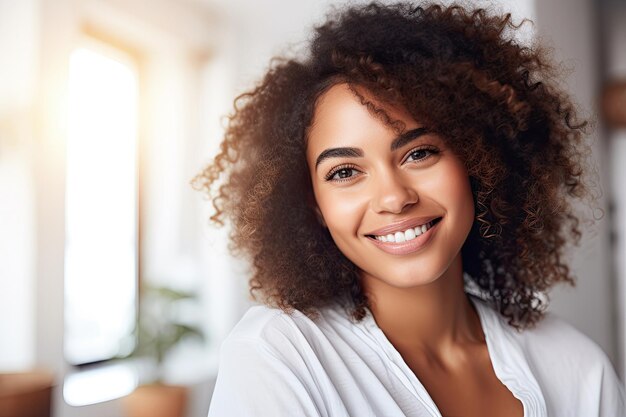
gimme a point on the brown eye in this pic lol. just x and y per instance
(421, 154)
(343, 173)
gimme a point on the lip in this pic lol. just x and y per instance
(402, 226)
(410, 246)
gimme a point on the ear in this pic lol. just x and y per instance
(319, 216)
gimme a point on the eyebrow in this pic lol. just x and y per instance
(348, 152)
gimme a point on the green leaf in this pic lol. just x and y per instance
(157, 332)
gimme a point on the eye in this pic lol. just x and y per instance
(341, 173)
(420, 154)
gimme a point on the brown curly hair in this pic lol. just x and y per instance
(496, 102)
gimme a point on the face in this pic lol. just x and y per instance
(399, 206)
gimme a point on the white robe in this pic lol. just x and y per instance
(278, 365)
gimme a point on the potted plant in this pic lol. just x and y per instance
(158, 331)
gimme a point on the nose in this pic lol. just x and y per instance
(393, 194)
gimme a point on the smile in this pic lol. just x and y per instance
(407, 241)
(408, 234)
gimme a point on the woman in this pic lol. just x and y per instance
(403, 193)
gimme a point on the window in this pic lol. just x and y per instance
(101, 254)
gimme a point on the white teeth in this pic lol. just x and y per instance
(407, 235)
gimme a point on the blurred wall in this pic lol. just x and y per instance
(613, 29)
(571, 28)
(19, 40)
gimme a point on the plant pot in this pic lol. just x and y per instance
(156, 400)
(26, 394)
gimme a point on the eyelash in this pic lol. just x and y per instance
(431, 149)
(331, 174)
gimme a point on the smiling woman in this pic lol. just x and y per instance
(400, 195)
(404, 195)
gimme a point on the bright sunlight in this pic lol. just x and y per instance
(101, 206)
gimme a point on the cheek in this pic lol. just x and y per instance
(460, 192)
(456, 196)
(341, 212)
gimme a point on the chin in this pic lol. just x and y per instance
(408, 279)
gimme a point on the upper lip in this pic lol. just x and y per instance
(402, 225)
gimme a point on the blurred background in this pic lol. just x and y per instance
(107, 110)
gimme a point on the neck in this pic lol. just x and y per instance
(434, 317)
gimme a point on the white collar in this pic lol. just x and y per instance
(507, 358)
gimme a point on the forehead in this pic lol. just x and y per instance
(341, 118)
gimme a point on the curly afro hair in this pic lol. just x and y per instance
(496, 102)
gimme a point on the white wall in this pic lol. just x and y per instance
(18, 44)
